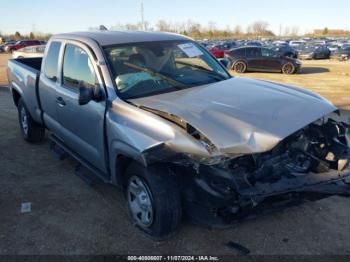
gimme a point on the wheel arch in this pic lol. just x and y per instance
(16, 96)
(121, 156)
(240, 60)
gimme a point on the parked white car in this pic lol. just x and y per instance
(296, 43)
(29, 51)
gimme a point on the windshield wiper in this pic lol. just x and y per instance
(175, 83)
(218, 76)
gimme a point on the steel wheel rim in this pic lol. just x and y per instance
(140, 202)
(24, 121)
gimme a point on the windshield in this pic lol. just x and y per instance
(145, 69)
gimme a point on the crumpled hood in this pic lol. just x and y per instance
(242, 115)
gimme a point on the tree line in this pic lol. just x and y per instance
(257, 29)
(18, 36)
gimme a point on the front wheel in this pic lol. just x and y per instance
(31, 131)
(288, 69)
(153, 200)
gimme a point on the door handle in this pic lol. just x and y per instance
(60, 101)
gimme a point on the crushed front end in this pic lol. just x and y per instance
(310, 164)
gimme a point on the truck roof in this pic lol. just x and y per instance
(106, 38)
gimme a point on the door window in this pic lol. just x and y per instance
(253, 52)
(77, 68)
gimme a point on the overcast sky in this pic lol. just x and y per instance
(74, 15)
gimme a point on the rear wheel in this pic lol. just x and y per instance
(31, 131)
(153, 200)
(288, 69)
(240, 67)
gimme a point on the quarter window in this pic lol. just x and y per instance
(77, 68)
(268, 52)
(51, 61)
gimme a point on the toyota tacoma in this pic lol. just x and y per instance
(159, 116)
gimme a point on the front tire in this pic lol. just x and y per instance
(288, 69)
(31, 131)
(153, 200)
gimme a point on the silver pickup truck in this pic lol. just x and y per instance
(158, 115)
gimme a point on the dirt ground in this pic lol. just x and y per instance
(69, 217)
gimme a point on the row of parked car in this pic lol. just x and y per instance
(11, 45)
(275, 56)
(24, 48)
(303, 49)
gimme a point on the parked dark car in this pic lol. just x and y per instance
(285, 50)
(314, 52)
(253, 43)
(341, 54)
(21, 44)
(260, 59)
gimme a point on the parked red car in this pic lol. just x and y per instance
(219, 50)
(21, 44)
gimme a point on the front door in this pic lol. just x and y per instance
(271, 60)
(82, 125)
(253, 56)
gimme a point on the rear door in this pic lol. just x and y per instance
(82, 126)
(271, 60)
(48, 84)
(253, 56)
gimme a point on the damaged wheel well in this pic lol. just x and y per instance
(122, 164)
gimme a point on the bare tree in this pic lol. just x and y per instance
(212, 26)
(237, 31)
(295, 31)
(259, 27)
(162, 25)
(287, 31)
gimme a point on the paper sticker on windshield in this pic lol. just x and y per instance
(190, 50)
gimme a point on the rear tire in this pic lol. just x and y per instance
(288, 69)
(153, 200)
(31, 131)
(240, 67)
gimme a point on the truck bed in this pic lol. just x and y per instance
(23, 76)
(34, 63)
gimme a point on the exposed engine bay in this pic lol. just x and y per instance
(315, 159)
(317, 148)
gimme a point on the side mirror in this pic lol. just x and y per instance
(87, 94)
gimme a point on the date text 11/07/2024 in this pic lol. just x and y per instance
(173, 258)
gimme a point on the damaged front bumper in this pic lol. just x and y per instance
(214, 198)
(311, 164)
